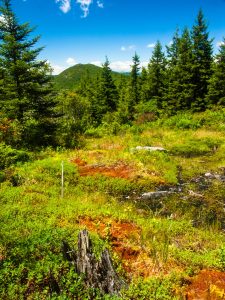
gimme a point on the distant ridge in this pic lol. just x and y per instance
(71, 77)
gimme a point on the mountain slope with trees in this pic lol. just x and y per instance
(71, 77)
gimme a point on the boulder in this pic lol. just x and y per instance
(155, 195)
(148, 148)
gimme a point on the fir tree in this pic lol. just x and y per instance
(172, 50)
(144, 89)
(202, 51)
(134, 82)
(106, 93)
(216, 90)
(180, 91)
(25, 81)
(156, 75)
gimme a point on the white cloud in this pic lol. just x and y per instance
(84, 5)
(128, 48)
(152, 45)
(96, 63)
(100, 4)
(71, 61)
(65, 5)
(144, 64)
(120, 66)
(219, 44)
(56, 69)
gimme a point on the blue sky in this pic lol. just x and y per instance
(85, 31)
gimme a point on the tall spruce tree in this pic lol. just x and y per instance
(172, 50)
(216, 90)
(156, 75)
(134, 81)
(106, 93)
(144, 89)
(25, 80)
(180, 90)
(202, 54)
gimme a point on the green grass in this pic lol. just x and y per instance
(178, 236)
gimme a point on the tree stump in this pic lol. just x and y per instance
(98, 274)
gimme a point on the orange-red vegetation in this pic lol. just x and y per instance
(125, 239)
(117, 170)
(208, 284)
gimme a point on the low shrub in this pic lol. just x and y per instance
(10, 156)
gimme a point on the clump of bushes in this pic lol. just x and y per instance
(196, 147)
(10, 156)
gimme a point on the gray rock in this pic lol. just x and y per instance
(155, 195)
(148, 148)
(215, 176)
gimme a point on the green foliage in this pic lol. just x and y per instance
(156, 75)
(157, 288)
(193, 148)
(216, 91)
(113, 186)
(202, 55)
(72, 77)
(222, 258)
(134, 86)
(24, 82)
(180, 91)
(10, 156)
(117, 113)
(75, 118)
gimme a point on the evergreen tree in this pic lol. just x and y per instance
(216, 90)
(172, 50)
(134, 82)
(202, 51)
(156, 75)
(180, 91)
(25, 81)
(106, 93)
(144, 89)
(123, 114)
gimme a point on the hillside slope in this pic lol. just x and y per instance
(71, 77)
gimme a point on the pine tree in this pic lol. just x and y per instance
(202, 51)
(172, 50)
(106, 93)
(169, 101)
(216, 90)
(134, 82)
(156, 75)
(180, 91)
(25, 81)
(144, 89)
(123, 114)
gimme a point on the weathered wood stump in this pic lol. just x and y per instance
(98, 274)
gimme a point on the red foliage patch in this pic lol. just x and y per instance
(125, 239)
(118, 170)
(122, 236)
(208, 284)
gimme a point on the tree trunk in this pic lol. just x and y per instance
(98, 274)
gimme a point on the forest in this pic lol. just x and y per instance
(188, 77)
(136, 158)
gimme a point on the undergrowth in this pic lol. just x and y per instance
(177, 235)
